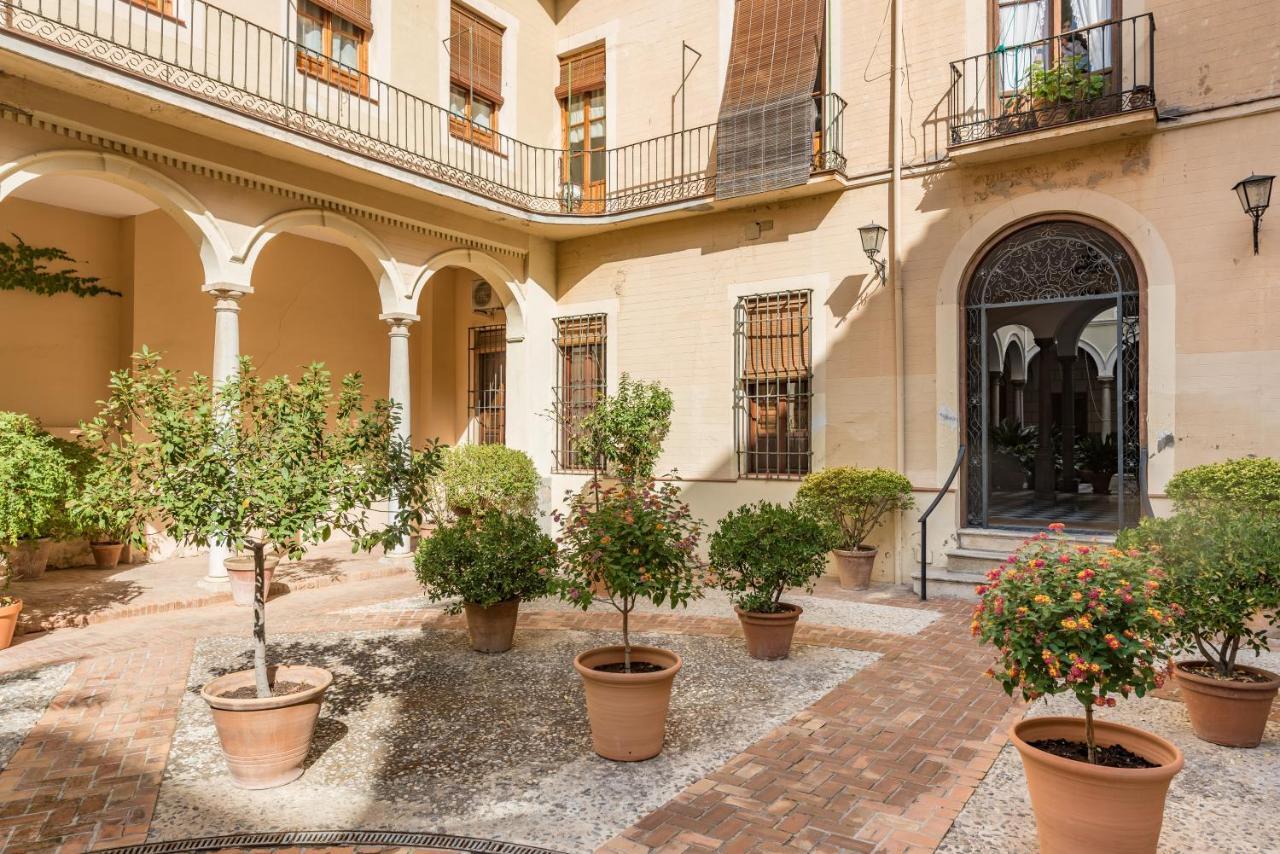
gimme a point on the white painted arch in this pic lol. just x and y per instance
(486, 267)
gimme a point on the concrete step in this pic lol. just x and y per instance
(947, 583)
(1006, 542)
(974, 562)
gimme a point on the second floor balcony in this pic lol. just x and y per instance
(218, 57)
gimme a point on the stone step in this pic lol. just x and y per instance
(946, 583)
(1006, 541)
(974, 562)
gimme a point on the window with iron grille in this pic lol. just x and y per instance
(773, 346)
(580, 382)
(487, 385)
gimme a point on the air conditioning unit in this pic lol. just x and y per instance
(483, 299)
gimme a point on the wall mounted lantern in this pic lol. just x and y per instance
(1255, 197)
(872, 241)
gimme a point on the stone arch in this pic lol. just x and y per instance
(186, 210)
(488, 268)
(371, 251)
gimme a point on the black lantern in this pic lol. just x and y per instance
(1255, 197)
(872, 241)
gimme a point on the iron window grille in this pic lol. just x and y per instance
(487, 385)
(773, 391)
(580, 382)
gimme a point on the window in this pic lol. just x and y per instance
(160, 7)
(580, 382)
(773, 348)
(582, 117)
(1062, 29)
(487, 390)
(475, 76)
(333, 42)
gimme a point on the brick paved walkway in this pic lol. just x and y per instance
(882, 763)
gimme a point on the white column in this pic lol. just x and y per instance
(226, 362)
(398, 392)
(1107, 386)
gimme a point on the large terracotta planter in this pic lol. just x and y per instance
(9, 623)
(493, 628)
(29, 558)
(1233, 714)
(769, 635)
(241, 572)
(266, 740)
(855, 567)
(1083, 807)
(106, 555)
(627, 711)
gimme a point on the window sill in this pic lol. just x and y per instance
(325, 71)
(151, 10)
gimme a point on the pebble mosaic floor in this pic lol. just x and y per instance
(24, 696)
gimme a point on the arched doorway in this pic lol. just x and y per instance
(1070, 450)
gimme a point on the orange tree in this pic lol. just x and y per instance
(1078, 618)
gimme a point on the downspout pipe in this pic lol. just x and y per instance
(894, 259)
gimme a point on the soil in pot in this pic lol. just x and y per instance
(265, 740)
(492, 629)
(241, 572)
(1110, 756)
(9, 623)
(855, 567)
(627, 711)
(769, 636)
(1084, 807)
(1231, 712)
(106, 555)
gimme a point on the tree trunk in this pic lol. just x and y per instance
(626, 637)
(260, 621)
(1088, 734)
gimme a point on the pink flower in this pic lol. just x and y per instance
(1064, 558)
(575, 594)
(1057, 526)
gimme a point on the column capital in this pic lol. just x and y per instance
(399, 322)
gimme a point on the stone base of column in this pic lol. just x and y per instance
(216, 578)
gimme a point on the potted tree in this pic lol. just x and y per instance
(758, 552)
(1096, 456)
(487, 564)
(35, 482)
(108, 508)
(483, 478)
(262, 464)
(1092, 622)
(856, 501)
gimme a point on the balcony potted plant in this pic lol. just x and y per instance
(855, 501)
(261, 464)
(758, 552)
(35, 482)
(484, 478)
(487, 564)
(1096, 456)
(640, 541)
(1092, 622)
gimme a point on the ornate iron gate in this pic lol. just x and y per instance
(1043, 264)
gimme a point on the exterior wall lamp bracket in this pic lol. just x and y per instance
(1255, 198)
(872, 241)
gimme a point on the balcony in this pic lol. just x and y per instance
(1081, 87)
(221, 58)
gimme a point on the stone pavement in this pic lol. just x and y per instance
(883, 762)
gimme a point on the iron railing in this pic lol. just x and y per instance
(224, 59)
(924, 524)
(1095, 71)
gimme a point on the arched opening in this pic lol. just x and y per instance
(1054, 434)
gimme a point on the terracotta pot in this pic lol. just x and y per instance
(8, 623)
(855, 567)
(769, 635)
(241, 572)
(492, 628)
(627, 711)
(1083, 807)
(266, 740)
(106, 555)
(29, 558)
(1233, 714)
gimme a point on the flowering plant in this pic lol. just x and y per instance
(1075, 617)
(625, 544)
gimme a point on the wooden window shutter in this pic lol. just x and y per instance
(475, 53)
(777, 337)
(584, 70)
(357, 12)
(765, 135)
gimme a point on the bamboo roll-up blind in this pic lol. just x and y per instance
(475, 53)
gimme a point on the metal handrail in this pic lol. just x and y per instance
(924, 525)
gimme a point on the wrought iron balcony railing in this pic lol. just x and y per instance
(221, 58)
(1084, 74)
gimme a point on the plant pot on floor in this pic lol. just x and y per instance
(266, 740)
(29, 558)
(627, 711)
(769, 635)
(106, 555)
(1230, 712)
(9, 623)
(855, 567)
(493, 628)
(1083, 807)
(241, 572)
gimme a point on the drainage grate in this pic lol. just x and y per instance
(294, 838)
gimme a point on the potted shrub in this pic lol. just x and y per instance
(622, 437)
(10, 608)
(855, 500)
(488, 564)
(758, 552)
(35, 481)
(641, 542)
(1092, 622)
(1096, 456)
(484, 478)
(109, 510)
(261, 464)
(1062, 91)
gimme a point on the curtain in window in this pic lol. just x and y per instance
(1020, 23)
(1078, 14)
